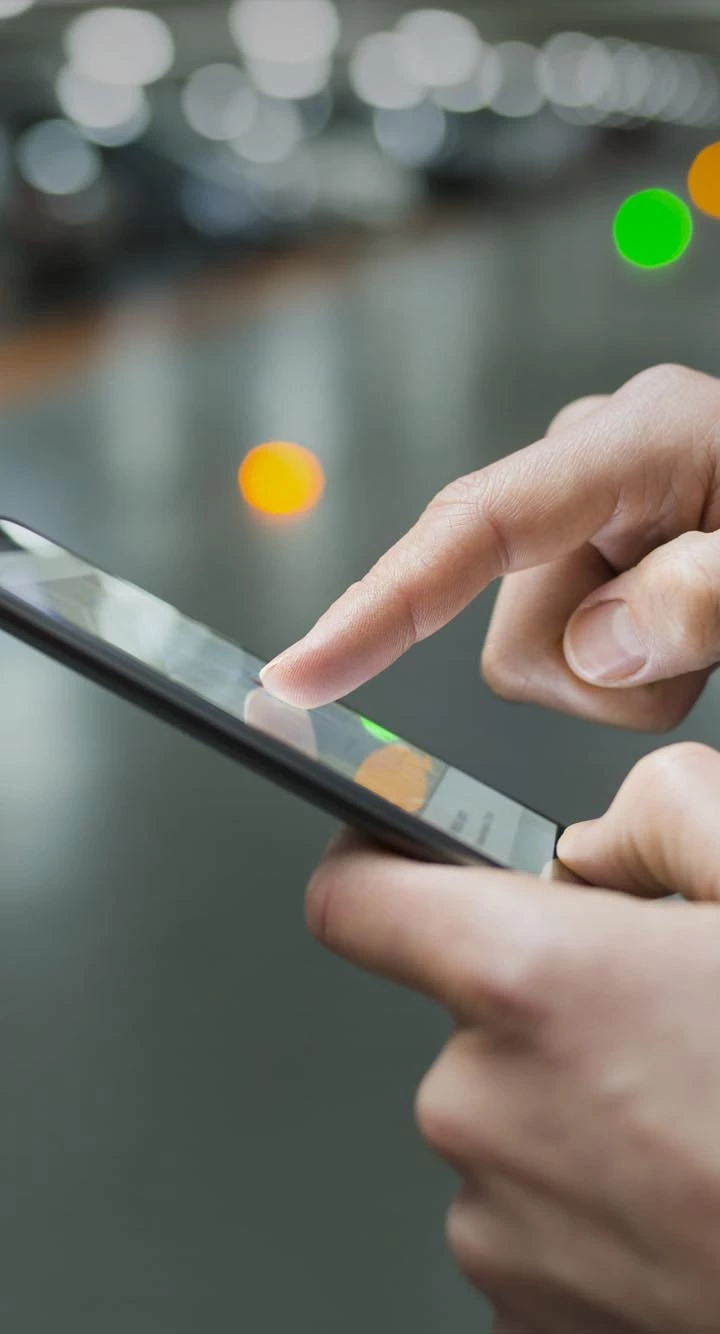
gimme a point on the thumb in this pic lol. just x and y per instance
(661, 834)
(657, 621)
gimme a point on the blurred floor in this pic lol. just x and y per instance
(206, 1123)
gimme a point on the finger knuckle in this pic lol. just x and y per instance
(472, 1244)
(437, 1112)
(471, 501)
(575, 411)
(506, 672)
(662, 776)
(318, 898)
(657, 381)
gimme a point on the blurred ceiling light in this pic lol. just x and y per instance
(664, 83)
(688, 87)
(285, 31)
(54, 158)
(629, 83)
(414, 136)
(96, 105)
(706, 110)
(519, 93)
(275, 133)
(439, 48)
(378, 74)
(119, 136)
(117, 45)
(285, 190)
(574, 70)
(316, 113)
(9, 8)
(291, 82)
(219, 102)
(477, 92)
(215, 209)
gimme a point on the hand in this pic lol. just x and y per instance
(579, 1099)
(607, 531)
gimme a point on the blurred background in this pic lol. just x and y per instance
(403, 239)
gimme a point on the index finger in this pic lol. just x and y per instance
(533, 507)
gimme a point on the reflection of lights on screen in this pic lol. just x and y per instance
(9, 8)
(704, 181)
(379, 733)
(97, 105)
(281, 479)
(378, 75)
(653, 229)
(117, 136)
(477, 92)
(285, 31)
(519, 93)
(398, 774)
(219, 102)
(293, 82)
(275, 133)
(28, 540)
(574, 70)
(439, 48)
(117, 45)
(414, 136)
(53, 157)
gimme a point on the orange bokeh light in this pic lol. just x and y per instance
(281, 479)
(704, 180)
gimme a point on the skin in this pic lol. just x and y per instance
(579, 1097)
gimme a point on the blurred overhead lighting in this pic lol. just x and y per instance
(9, 8)
(117, 45)
(275, 133)
(54, 158)
(285, 31)
(574, 70)
(97, 105)
(291, 82)
(219, 102)
(519, 93)
(120, 135)
(379, 76)
(477, 92)
(415, 136)
(439, 48)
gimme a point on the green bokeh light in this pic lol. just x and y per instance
(653, 228)
(379, 733)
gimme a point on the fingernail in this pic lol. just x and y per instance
(603, 644)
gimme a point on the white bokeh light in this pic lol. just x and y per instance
(219, 102)
(54, 158)
(519, 94)
(285, 31)
(379, 76)
(10, 8)
(477, 92)
(439, 48)
(118, 45)
(120, 135)
(414, 137)
(275, 133)
(574, 70)
(97, 105)
(291, 82)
